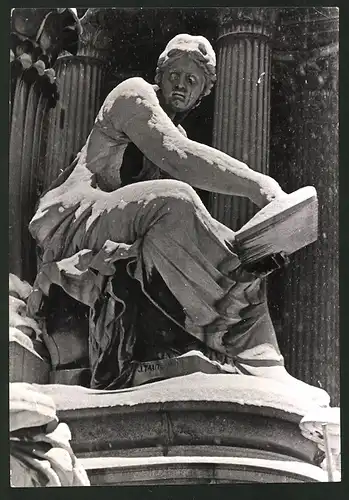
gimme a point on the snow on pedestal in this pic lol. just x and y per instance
(199, 428)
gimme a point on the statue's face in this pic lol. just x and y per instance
(182, 84)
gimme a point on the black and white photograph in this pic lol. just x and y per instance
(174, 246)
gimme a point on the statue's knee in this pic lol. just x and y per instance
(182, 196)
(173, 202)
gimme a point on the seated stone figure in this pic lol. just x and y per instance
(133, 241)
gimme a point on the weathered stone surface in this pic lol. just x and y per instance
(213, 411)
(28, 357)
(207, 470)
(75, 376)
(26, 365)
(188, 450)
(304, 297)
(159, 429)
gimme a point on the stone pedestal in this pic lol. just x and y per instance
(80, 81)
(242, 94)
(198, 428)
(304, 299)
(186, 470)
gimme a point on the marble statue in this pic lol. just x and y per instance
(125, 237)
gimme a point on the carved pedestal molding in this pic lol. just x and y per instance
(198, 428)
(241, 115)
(80, 79)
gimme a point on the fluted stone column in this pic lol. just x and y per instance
(80, 80)
(36, 36)
(31, 98)
(304, 299)
(242, 95)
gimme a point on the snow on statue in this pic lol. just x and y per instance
(107, 214)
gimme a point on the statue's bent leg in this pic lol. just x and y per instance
(254, 347)
(194, 255)
(225, 307)
(169, 230)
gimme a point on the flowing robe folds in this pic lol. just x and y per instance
(96, 220)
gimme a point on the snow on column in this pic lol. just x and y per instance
(80, 80)
(242, 94)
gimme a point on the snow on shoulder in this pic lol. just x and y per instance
(133, 88)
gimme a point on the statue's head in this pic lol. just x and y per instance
(186, 71)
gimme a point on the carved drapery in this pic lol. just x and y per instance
(242, 94)
(304, 150)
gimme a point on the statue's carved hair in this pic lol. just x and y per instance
(196, 47)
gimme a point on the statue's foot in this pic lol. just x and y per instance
(264, 361)
(223, 367)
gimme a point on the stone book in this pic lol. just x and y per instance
(283, 226)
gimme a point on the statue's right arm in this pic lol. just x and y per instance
(133, 108)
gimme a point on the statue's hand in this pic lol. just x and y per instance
(267, 192)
